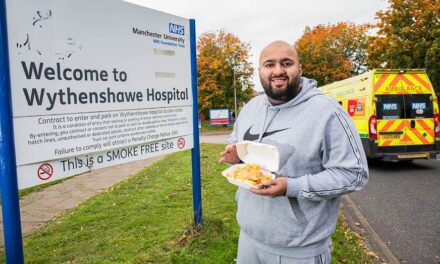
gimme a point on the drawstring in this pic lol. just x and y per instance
(268, 124)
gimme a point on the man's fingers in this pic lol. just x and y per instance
(224, 158)
(262, 191)
(230, 147)
(274, 187)
(229, 155)
(269, 183)
(266, 189)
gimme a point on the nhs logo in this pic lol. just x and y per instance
(176, 29)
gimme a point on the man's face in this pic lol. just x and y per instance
(280, 71)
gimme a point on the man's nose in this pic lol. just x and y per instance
(278, 70)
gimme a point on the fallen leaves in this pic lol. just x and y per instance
(372, 254)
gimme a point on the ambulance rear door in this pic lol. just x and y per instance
(406, 119)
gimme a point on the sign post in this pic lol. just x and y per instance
(195, 152)
(8, 174)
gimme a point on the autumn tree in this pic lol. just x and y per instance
(408, 37)
(432, 63)
(333, 52)
(222, 56)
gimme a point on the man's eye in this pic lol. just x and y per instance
(269, 65)
(287, 63)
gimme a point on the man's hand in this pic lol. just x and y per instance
(229, 155)
(274, 187)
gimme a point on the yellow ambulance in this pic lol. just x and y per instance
(395, 111)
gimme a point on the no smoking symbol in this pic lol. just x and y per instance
(181, 143)
(45, 171)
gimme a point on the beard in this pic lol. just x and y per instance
(285, 95)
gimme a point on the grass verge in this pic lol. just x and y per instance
(148, 219)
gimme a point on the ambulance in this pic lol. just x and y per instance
(395, 112)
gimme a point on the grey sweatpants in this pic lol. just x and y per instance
(249, 254)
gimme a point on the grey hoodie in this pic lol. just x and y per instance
(322, 158)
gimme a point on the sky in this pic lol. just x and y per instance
(260, 22)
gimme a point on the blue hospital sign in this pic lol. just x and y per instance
(176, 29)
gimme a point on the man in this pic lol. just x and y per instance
(291, 219)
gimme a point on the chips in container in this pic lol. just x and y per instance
(260, 160)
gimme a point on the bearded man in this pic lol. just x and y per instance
(291, 219)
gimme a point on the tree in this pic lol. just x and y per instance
(407, 35)
(432, 63)
(333, 52)
(221, 56)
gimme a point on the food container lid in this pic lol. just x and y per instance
(267, 156)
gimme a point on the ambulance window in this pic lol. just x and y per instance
(418, 106)
(390, 107)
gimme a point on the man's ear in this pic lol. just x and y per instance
(300, 70)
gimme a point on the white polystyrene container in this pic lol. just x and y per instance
(264, 155)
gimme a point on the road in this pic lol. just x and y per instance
(402, 204)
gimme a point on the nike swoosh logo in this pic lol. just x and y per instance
(252, 137)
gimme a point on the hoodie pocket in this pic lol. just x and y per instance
(296, 209)
(269, 220)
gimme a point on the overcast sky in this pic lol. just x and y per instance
(260, 22)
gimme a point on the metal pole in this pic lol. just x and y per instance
(8, 173)
(195, 152)
(235, 95)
